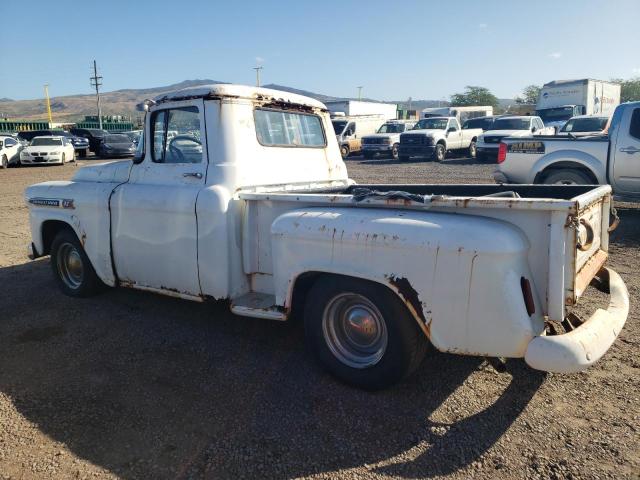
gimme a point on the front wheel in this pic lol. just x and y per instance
(344, 151)
(472, 149)
(440, 153)
(362, 333)
(71, 267)
(5, 162)
(394, 151)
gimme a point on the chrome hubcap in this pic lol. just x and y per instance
(69, 264)
(354, 330)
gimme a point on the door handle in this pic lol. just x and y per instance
(192, 174)
(630, 149)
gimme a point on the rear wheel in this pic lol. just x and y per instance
(567, 176)
(5, 162)
(71, 266)
(440, 153)
(362, 333)
(472, 149)
(394, 151)
(344, 151)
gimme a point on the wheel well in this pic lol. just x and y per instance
(441, 142)
(474, 139)
(305, 281)
(50, 229)
(540, 176)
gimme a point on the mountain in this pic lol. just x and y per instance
(72, 108)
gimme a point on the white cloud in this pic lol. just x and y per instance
(259, 60)
(555, 55)
(483, 26)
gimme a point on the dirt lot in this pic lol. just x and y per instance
(134, 385)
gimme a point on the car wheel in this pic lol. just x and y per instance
(344, 151)
(394, 151)
(567, 176)
(5, 162)
(72, 268)
(83, 153)
(362, 333)
(440, 153)
(472, 149)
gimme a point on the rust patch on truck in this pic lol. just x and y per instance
(411, 300)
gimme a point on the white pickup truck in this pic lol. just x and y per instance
(610, 158)
(251, 203)
(511, 126)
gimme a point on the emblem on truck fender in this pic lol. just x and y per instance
(52, 202)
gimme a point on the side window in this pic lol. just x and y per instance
(291, 129)
(9, 142)
(352, 128)
(176, 136)
(453, 123)
(634, 127)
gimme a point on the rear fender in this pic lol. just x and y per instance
(569, 159)
(459, 275)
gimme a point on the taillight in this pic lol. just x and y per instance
(502, 152)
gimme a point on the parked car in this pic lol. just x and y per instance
(435, 136)
(510, 126)
(116, 145)
(94, 135)
(48, 150)
(600, 159)
(377, 272)
(349, 131)
(9, 151)
(484, 123)
(80, 144)
(386, 140)
(584, 125)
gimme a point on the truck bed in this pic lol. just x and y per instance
(548, 215)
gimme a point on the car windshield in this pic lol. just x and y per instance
(483, 123)
(431, 124)
(555, 114)
(116, 139)
(594, 124)
(42, 141)
(511, 124)
(133, 136)
(392, 128)
(338, 126)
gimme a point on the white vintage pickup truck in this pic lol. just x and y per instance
(240, 194)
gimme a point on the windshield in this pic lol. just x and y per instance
(595, 124)
(431, 124)
(42, 141)
(392, 128)
(116, 139)
(559, 114)
(338, 126)
(511, 124)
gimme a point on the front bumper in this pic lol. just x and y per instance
(584, 345)
(44, 160)
(416, 150)
(376, 148)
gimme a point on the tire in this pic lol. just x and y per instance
(394, 151)
(439, 153)
(5, 162)
(567, 176)
(369, 155)
(403, 158)
(83, 153)
(472, 149)
(71, 267)
(397, 349)
(344, 151)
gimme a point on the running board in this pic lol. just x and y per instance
(258, 305)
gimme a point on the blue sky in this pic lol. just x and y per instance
(394, 49)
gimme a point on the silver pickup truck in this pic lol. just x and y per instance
(613, 157)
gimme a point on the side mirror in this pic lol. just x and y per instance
(451, 129)
(138, 157)
(534, 129)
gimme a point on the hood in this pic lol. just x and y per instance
(118, 144)
(507, 133)
(430, 131)
(382, 135)
(42, 148)
(112, 172)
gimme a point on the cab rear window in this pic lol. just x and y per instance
(278, 128)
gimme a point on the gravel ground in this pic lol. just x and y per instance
(133, 385)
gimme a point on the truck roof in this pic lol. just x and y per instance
(577, 80)
(237, 91)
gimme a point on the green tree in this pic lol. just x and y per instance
(530, 94)
(474, 96)
(630, 89)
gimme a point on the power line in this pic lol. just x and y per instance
(96, 81)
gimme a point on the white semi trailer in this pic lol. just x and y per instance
(352, 108)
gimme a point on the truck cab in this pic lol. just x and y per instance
(433, 137)
(386, 140)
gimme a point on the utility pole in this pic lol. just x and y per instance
(257, 69)
(96, 81)
(359, 93)
(46, 95)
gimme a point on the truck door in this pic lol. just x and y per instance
(153, 216)
(624, 164)
(351, 135)
(454, 135)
